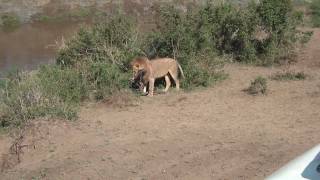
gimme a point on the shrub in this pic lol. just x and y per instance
(102, 54)
(279, 20)
(23, 98)
(231, 30)
(10, 21)
(286, 76)
(202, 70)
(315, 12)
(106, 79)
(258, 86)
(67, 84)
(114, 42)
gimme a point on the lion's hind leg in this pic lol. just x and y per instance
(168, 83)
(176, 79)
(151, 87)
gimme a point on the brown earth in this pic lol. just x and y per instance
(216, 133)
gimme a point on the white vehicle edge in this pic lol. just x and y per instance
(306, 166)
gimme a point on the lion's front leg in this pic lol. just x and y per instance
(151, 87)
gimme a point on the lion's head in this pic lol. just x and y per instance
(139, 64)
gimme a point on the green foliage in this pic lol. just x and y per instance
(286, 76)
(23, 98)
(10, 22)
(67, 84)
(225, 29)
(230, 30)
(305, 37)
(102, 54)
(275, 15)
(279, 21)
(315, 10)
(174, 36)
(106, 79)
(202, 70)
(113, 42)
(258, 86)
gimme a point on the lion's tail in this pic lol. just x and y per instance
(181, 71)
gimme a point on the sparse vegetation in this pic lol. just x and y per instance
(315, 12)
(9, 22)
(305, 37)
(23, 98)
(258, 86)
(286, 76)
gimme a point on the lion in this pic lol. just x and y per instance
(147, 71)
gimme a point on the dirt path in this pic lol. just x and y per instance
(217, 133)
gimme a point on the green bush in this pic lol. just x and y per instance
(279, 21)
(10, 21)
(315, 10)
(102, 54)
(114, 42)
(203, 70)
(230, 30)
(67, 84)
(23, 98)
(106, 79)
(225, 29)
(258, 86)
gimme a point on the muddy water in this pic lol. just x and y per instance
(33, 44)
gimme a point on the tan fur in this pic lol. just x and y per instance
(157, 68)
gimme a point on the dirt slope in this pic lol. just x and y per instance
(217, 133)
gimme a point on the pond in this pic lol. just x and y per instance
(33, 44)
